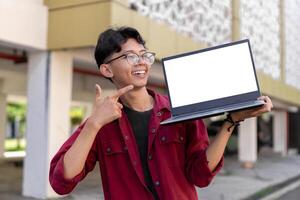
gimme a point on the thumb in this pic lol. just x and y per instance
(98, 91)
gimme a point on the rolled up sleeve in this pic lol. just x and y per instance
(57, 180)
(197, 170)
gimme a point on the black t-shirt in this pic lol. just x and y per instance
(139, 122)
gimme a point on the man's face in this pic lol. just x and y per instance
(125, 73)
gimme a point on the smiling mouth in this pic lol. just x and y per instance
(139, 72)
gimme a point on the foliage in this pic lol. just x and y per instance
(16, 111)
(76, 115)
(14, 144)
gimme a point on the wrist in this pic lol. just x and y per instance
(233, 122)
(236, 117)
(93, 124)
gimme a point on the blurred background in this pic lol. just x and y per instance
(48, 73)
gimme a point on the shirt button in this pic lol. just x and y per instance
(181, 138)
(156, 183)
(108, 150)
(153, 130)
(150, 157)
(163, 138)
(158, 114)
(126, 137)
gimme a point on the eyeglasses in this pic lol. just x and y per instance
(133, 58)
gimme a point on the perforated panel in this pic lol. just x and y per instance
(260, 22)
(292, 42)
(207, 21)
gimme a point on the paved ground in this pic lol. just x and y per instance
(11, 184)
(238, 183)
(271, 172)
(291, 195)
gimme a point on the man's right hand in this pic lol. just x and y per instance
(105, 111)
(108, 109)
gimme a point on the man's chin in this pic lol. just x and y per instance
(139, 86)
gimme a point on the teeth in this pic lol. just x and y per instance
(138, 72)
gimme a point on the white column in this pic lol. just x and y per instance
(247, 142)
(280, 132)
(48, 123)
(2, 123)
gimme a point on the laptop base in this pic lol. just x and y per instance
(214, 112)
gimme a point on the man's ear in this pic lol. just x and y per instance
(106, 71)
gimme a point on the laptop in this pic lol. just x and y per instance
(211, 81)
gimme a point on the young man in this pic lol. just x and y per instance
(138, 158)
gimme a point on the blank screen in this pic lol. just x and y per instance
(210, 75)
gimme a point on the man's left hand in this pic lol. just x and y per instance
(241, 115)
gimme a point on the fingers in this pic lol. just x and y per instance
(265, 108)
(266, 99)
(98, 91)
(254, 112)
(119, 105)
(122, 91)
(268, 103)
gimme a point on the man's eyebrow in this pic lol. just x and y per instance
(132, 51)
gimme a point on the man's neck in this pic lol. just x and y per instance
(138, 99)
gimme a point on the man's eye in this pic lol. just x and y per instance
(131, 56)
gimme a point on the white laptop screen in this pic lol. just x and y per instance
(209, 75)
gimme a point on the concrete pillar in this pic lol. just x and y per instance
(48, 123)
(280, 132)
(236, 20)
(3, 104)
(247, 142)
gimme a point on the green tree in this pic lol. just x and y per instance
(16, 112)
(76, 115)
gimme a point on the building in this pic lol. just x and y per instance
(46, 58)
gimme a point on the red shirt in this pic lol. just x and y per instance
(176, 159)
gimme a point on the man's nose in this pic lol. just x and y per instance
(141, 61)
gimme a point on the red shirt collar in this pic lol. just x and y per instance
(161, 102)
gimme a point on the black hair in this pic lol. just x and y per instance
(110, 42)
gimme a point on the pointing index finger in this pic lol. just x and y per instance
(122, 91)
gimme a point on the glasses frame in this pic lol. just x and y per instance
(126, 54)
